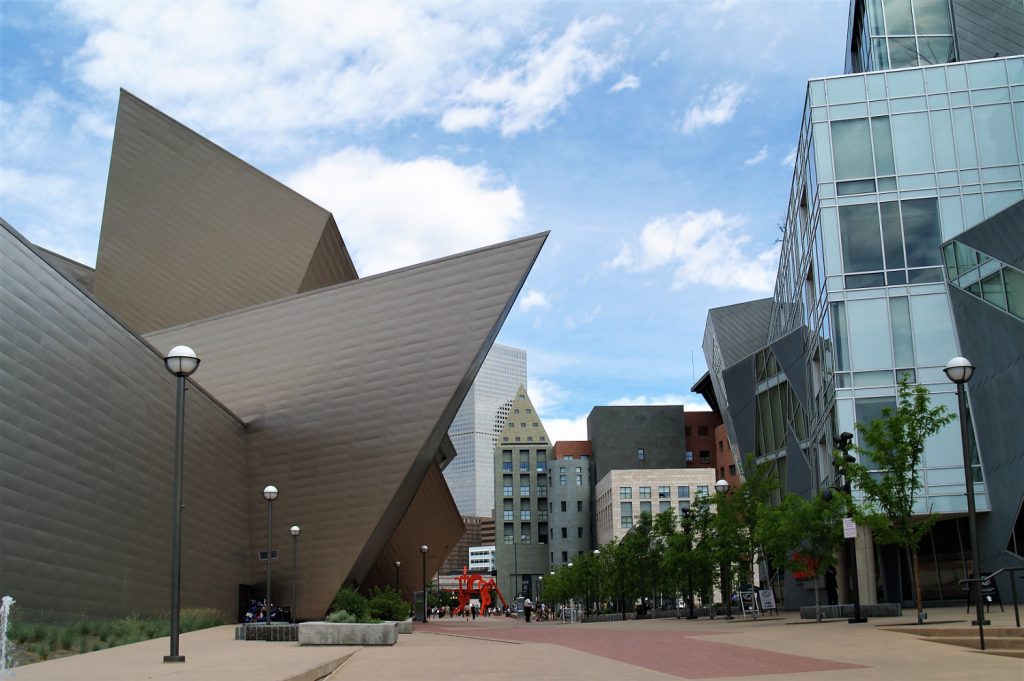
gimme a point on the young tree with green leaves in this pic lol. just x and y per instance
(805, 534)
(895, 446)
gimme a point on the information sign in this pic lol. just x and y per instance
(849, 529)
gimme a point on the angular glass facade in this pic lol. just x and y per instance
(893, 34)
(889, 166)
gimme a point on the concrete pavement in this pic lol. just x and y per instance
(502, 648)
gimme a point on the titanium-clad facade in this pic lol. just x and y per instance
(337, 390)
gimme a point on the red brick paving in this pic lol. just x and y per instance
(676, 653)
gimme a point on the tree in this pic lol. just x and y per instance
(895, 445)
(805, 534)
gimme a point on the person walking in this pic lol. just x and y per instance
(527, 608)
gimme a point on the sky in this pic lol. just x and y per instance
(654, 140)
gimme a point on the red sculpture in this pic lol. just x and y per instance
(475, 585)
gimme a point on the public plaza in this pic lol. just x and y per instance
(507, 648)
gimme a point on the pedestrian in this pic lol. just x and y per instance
(831, 586)
(527, 608)
(472, 610)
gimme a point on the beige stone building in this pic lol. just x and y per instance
(622, 495)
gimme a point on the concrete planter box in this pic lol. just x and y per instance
(405, 626)
(330, 634)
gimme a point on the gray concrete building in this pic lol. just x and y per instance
(636, 437)
(570, 502)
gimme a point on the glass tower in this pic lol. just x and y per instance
(474, 431)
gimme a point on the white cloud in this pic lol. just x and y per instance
(715, 108)
(689, 403)
(790, 157)
(562, 429)
(628, 82)
(523, 97)
(546, 395)
(572, 321)
(534, 299)
(338, 63)
(704, 249)
(758, 157)
(396, 213)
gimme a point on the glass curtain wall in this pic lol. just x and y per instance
(893, 34)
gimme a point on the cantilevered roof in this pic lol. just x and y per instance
(190, 231)
(741, 329)
(348, 391)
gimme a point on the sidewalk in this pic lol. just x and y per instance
(506, 648)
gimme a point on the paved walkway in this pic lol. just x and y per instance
(502, 648)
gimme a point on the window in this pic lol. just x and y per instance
(683, 491)
(506, 491)
(524, 538)
(524, 514)
(508, 515)
(626, 514)
(702, 490)
(563, 507)
(923, 235)
(529, 411)
(640, 455)
(579, 476)
(645, 492)
(565, 557)
(684, 506)
(542, 515)
(689, 457)
(720, 445)
(510, 539)
(561, 481)
(664, 492)
(687, 431)
(565, 533)
(506, 466)
(524, 490)
(515, 411)
(664, 506)
(542, 490)
(645, 507)
(702, 431)
(524, 466)
(861, 238)
(625, 492)
(732, 469)
(568, 457)
(579, 506)
(535, 424)
(579, 533)
(705, 456)
(542, 466)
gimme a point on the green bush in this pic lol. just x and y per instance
(387, 605)
(193, 619)
(341, 617)
(352, 602)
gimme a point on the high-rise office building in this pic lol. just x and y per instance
(476, 428)
(921, 140)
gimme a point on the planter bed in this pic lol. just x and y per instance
(331, 634)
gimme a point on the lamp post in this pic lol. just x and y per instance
(398, 568)
(295, 529)
(843, 443)
(959, 370)
(182, 362)
(688, 528)
(269, 493)
(423, 549)
(540, 589)
(597, 576)
(722, 487)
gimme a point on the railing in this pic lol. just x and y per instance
(1013, 590)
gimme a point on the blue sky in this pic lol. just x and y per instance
(652, 139)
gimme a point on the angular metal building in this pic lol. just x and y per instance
(338, 390)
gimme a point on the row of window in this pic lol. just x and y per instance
(626, 509)
(664, 492)
(524, 490)
(702, 431)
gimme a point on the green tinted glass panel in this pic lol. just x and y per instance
(892, 235)
(899, 19)
(902, 335)
(861, 239)
(994, 129)
(902, 52)
(992, 290)
(932, 16)
(935, 50)
(1014, 281)
(881, 136)
(922, 231)
(840, 337)
(851, 149)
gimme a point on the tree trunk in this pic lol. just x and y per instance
(917, 586)
(817, 601)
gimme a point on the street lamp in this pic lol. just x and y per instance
(597, 576)
(843, 443)
(959, 370)
(540, 589)
(722, 487)
(182, 362)
(423, 549)
(295, 529)
(398, 567)
(269, 493)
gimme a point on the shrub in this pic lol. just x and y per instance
(387, 605)
(351, 601)
(193, 619)
(341, 617)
